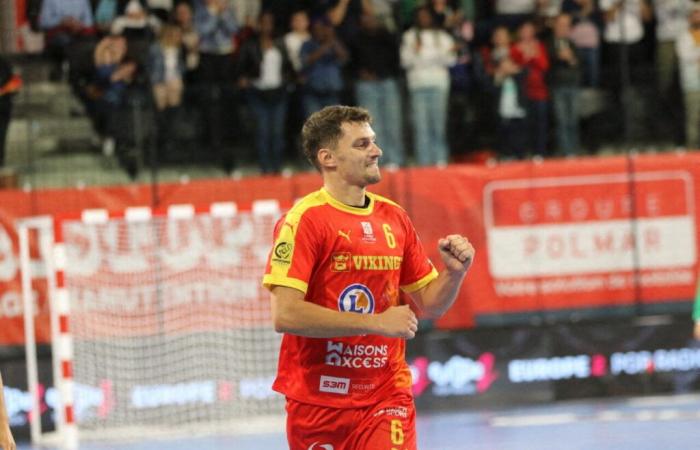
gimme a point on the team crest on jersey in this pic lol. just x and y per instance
(356, 298)
(340, 262)
(368, 232)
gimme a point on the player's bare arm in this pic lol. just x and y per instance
(7, 442)
(436, 298)
(292, 314)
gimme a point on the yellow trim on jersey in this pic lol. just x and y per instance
(379, 198)
(337, 204)
(413, 287)
(270, 280)
(279, 268)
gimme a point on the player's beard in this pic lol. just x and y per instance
(373, 176)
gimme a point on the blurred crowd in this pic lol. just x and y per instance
(511, 75)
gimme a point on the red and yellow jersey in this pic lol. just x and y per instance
(351, 260)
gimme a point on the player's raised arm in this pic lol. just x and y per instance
(292, 314)
(7, 442)
(437, 297)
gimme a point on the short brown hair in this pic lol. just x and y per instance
(323, 128)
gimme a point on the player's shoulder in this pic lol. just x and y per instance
(380, 200)
(305, 206)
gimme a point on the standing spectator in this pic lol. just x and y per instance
(166, 70)
(427, 53)
(9, 85)
(293, 41)
(345, 15)
(530, 54)
(184, 18)
(216, 26)
(322, 58)
(501, 79)
(65, 23)
(264, 72)
(585, 35)
(565, 78)
(688, 51)
(295, 38)
(624, 31)
(377, 68)
(671, 22)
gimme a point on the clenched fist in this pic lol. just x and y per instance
(457, 252)
(398, 321)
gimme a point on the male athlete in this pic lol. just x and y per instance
(339, 258)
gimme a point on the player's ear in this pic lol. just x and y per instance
(326, 158)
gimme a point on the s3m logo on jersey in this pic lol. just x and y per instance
(356, 298)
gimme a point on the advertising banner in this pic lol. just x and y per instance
(556, 241)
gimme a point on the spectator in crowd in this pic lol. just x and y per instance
(293, 41)
(136, 24)
(183, 17)
(585, 35)
(530, 54)
(9, 85)
(295, 38)
(427, 53)
(264, 72)
(375, 57)
(502, 79)
(112, 73)
(688, 52)
(624, 31)
(216, 25)
(65, 23)
(166, 68)
(671, 22)
(564, 81)
(322, 58)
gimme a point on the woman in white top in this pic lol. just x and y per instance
(426, 54)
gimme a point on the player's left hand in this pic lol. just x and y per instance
(457, 252)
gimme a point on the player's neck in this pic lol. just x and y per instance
(346, 194)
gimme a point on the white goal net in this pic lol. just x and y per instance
(170, 325)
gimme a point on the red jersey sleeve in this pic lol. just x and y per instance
(416, 268)
(293, 255)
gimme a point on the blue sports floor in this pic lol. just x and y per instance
(646, 423)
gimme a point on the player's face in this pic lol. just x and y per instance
(357, 155)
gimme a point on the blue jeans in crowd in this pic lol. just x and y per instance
(429, 108)
(381, 98)
(566, 114)
(270, 111)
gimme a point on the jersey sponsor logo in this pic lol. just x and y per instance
(283, 253)
(320, 446)
(357, 356)
(334, 385)
(376, 262)
(368, 233)
(340, 262)
(356, 298)
(345, 235)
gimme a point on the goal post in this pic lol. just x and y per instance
(162, 325)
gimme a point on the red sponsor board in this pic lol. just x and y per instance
(563, 235)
